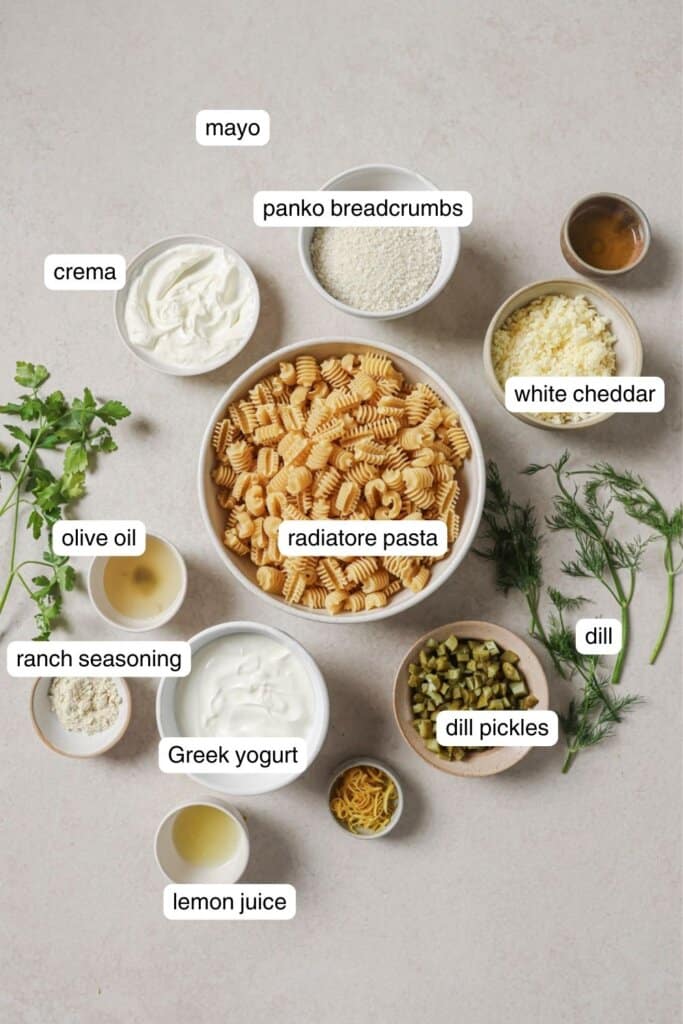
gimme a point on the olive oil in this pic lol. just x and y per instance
(143, 586)
(205, 836)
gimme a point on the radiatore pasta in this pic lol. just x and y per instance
(345, 438)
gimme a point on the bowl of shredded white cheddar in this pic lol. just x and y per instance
(379, 273)
(561, 328)
(80, 716)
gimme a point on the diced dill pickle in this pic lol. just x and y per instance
(510, 672)
(460, 674)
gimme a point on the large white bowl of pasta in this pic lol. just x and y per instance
(339, 428)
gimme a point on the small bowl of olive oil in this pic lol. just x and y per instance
(202, 842)
(139, 592)
(605, 234)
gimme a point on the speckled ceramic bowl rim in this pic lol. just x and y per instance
(449, 263)
(134, 265)
(474, 766)
(124, 722)
(640, 214)
(520, 298)
(371, 762)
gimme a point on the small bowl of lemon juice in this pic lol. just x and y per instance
(202, 842)
(139, 592)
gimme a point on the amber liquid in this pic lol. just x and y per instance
(143, 586)
(607, 239)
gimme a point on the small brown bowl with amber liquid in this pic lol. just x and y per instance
(604, 235)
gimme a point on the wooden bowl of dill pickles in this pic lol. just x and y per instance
(463, 666)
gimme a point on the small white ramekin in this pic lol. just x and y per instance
(384, 177)
(105, 609)
(371, 762)
(177, 870)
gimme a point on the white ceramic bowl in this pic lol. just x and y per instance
(102, 604)
(252, 784)
(180, 871)
(371, 762)
(76, 744)
(472, 477)
(628, 348)
(136, 265)
(383, 177)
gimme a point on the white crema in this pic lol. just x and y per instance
(189, 305)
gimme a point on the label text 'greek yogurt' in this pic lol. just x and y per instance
(137, 659)
(214, 755)
(584, 394)
(409, 208)
(344, 537)
(230, 902)
(99, 537)
(84, 272)
(232, 127)
(496, 728)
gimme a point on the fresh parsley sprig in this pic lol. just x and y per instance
(49, 422)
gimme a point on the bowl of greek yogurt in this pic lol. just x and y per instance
(247, 681)
(190, 304)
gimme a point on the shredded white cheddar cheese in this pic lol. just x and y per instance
(554, 336)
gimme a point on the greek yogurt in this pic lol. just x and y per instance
(190, 305)
(245, 685)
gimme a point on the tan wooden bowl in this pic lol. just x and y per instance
(485, 762)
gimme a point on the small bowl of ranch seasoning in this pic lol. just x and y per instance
(379, 273)
(78, 716)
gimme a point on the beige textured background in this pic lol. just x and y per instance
(530, 897)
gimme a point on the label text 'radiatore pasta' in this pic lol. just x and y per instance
(344, 538)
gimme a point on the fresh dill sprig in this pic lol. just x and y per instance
(599, 708)
(599, 555)
(514, 546)
(640, 504)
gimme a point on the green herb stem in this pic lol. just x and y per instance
(670, 591)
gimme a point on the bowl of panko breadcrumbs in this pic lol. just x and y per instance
(341, 429)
